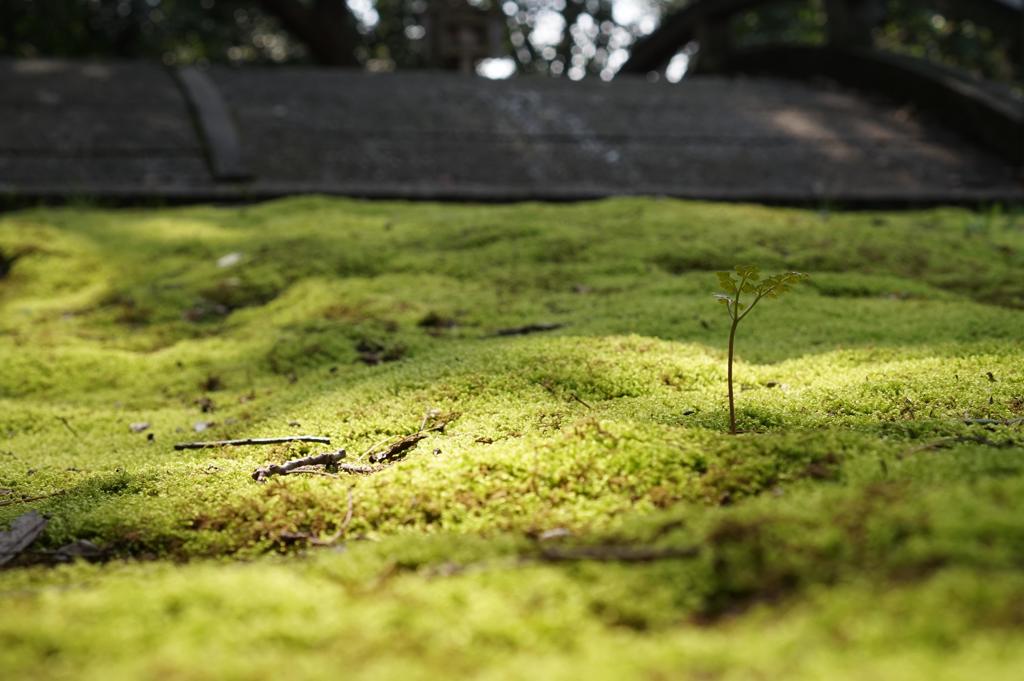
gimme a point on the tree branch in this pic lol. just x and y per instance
(326, 459)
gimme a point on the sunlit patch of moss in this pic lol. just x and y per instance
(855, 472)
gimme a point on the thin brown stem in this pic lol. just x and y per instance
(748, 310)
(732, 403)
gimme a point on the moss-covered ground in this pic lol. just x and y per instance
(857, 528)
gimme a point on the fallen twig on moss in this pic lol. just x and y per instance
(618, 554)
(547, 386)
(25, 500)
(400, 445)
(945, 442)
(67, 425)
(325, 459)
(252, 441)
(993, 422)
(395, 452)
(360, 469)
(341, 529)
(935, 444)
(332, 459)
(528, 328)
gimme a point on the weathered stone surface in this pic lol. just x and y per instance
(125, 130)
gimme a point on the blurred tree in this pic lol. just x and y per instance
(326, 27)
(548, 36)
(570, 38)
(951, 33)
(176, 31)
(786, 21)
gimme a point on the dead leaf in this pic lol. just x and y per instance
(23, 532)
(229, 260)
(556, 533)
(82, 549)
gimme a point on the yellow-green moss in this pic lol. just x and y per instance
(856, 479)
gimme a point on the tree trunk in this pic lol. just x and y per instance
(327, 28)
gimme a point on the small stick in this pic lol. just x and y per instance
(580, 400)
(357, 469)
(936, 444)
(958, 439)
(993, 422)
(427, 415)
(547, 386)
(378, 444)
(621, 554)
(25, 500)
(67, 425)
(341, 529)
(397, 450)
(325, 459)
(528, 328)
(401, 444)
(310, 471)
(252, 441)
(348, 513)
(394, 453)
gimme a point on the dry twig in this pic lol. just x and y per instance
(547, 386)
(25, 500)
(936, 444)
(944, 442)
(618, 553)
(360, 469)
(342, 528)
(252, 441)
(528, 328)
(67, 425)
(993, 422)
(325, 459)
(395, 452)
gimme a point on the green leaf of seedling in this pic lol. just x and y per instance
(748, 271)
(725, 280)
(771, 287)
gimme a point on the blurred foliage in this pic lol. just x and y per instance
(916, 28)
(929, 29)
(174, 31)
(577, 36)
(787, 21)
(554, 37)
(591, 42)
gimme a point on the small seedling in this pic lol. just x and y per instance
(746, 279)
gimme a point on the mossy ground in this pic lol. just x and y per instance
(856, 529)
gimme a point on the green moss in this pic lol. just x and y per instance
(857, 528)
